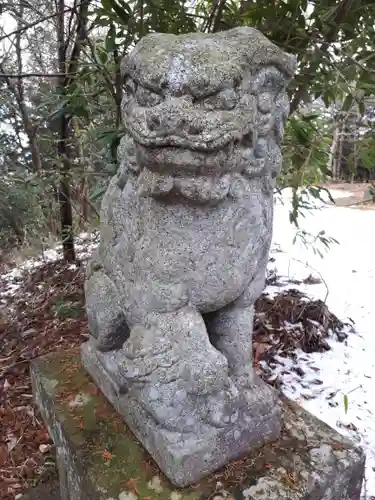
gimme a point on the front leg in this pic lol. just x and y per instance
(231, 333)
(171, 369)
(203, 368)
(231, 329)
(105, 316)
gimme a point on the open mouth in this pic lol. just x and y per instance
(246, 141)
(207, 144)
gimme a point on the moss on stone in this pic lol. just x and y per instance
(116, 463)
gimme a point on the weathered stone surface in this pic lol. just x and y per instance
(101, 459)
(186, 226)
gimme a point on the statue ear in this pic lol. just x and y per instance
(268, 79)
(281, 113)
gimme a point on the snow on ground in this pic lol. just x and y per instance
(85, 243)
(348, 274)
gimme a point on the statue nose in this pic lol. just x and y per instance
(164, 121)
(153, 121)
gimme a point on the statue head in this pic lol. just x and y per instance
(205, 104)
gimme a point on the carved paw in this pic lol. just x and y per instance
(222, 407)
(217, 418)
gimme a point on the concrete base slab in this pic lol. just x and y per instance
(99, 458)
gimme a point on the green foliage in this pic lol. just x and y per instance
(333, 40)
(66, 310)
(20, 211)
(346, 398)
(306, 148)
(318, 243)
(366, 148)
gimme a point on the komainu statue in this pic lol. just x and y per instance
(186, 226)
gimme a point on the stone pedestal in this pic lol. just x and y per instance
(186, 457)
(99, 458)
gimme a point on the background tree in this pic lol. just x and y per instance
(62, 90)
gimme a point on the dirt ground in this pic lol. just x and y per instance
(46, 491)
(360, 196)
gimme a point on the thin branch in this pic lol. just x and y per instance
(317, 272)
(342, 10)
(31, 75)
(106, 74)
(81, 37)
(35, 23)
(70, 22)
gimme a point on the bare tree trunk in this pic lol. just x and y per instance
(81, 192)
(17, 89)
(16, 225)
(341, 147)
(85, 207)
(334, 164)
(68, 66)
(66, 214)
(118, 88)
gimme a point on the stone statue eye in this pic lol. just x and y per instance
(130, 87)
(265, 102)
(268, 80)
(146, 97)
(225, 99)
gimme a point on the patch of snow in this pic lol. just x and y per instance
(85, 244)
(44, 448)
(347, 272)
(80, 400)
(50, 255)
(127, 496)
(155, 484)
(85, 236)
(175, 496)
(11, 442)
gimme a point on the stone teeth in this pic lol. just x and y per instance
(154, 183)
(203, 188)
(161, 184)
